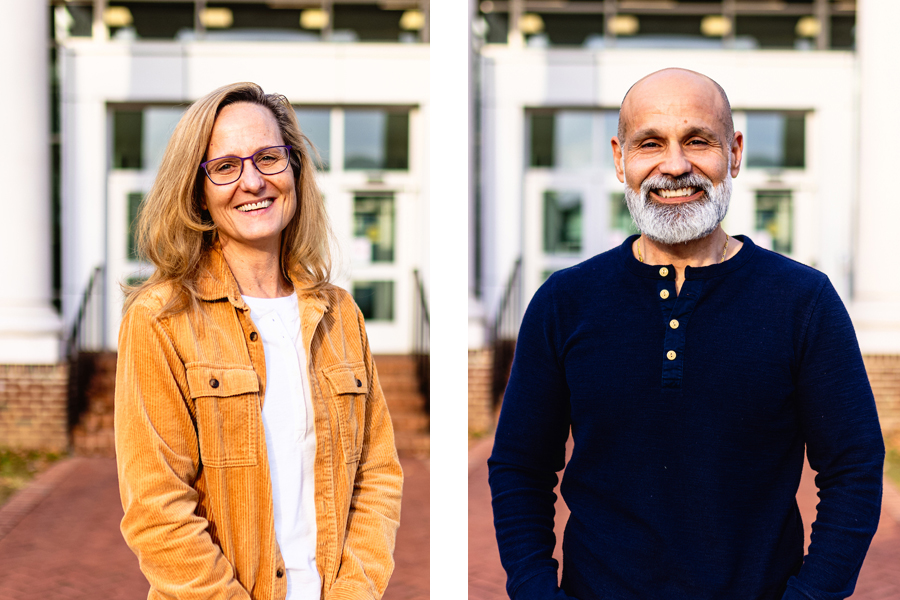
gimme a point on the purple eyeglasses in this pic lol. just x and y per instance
(228, 169)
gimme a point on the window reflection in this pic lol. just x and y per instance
(376, 139)
(316, 124)
(776, 140)
(562, 222)
(373, 228)
(561, 139)
(375, 299)
(140, 136)
(774, 220)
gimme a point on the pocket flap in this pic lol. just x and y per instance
(348, 378)
(220, 382)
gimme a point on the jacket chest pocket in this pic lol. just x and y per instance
(349, 387)
(227, 402)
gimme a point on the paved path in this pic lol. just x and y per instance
(60, 540)
(878, 580)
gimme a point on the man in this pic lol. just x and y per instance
(692, 368)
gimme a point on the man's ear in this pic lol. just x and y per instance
(618, 159)
(737, 152)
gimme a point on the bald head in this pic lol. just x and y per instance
(673, 82)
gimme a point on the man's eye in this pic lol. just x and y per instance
(698, 143)
(649, 145)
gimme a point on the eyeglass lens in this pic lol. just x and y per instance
(228, 169)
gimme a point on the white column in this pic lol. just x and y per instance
(876, 305)
(29, 327)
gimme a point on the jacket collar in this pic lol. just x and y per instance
(217, 283)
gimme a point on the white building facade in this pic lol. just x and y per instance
(811, 119)
(364, 105)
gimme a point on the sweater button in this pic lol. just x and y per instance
(671, 355)
(664, 294)
(673, 323)
(214, 383)
(279, 573)
(663, 271)
(253, 336)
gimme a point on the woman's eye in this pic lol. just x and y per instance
(224, 167)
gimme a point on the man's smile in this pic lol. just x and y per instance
(677, 196)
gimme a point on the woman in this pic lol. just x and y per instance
(255, 451)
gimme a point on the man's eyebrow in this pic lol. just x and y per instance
(649, 132)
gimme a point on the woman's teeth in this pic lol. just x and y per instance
(255, 205)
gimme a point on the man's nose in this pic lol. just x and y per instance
(251, 179)
(675, 162)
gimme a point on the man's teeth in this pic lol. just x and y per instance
(679, 193)
(255, 205)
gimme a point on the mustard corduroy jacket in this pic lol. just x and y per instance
(193, 473)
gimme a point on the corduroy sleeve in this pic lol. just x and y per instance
(844, 446)
(158, 457)
(367, 558)
(529, 451)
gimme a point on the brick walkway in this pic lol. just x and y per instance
(878, 580)
(60, 540)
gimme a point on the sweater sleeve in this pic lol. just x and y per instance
(529, 451)
(844, 446)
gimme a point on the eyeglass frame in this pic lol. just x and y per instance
(288, 147)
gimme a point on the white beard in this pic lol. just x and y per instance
(679, 223)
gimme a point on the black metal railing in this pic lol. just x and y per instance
(84, 341)
(422, 340)
(505, 330)
(87, 330)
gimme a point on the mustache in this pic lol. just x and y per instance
(664, 182)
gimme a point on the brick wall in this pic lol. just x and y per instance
(884, 375)
(481, 409)
(33, 401)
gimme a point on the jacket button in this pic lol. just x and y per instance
(358, 383)
(213, 383)
(253, 336)
(279, 573)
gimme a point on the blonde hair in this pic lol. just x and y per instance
(174, 231)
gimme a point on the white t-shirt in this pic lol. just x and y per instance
(288, 421)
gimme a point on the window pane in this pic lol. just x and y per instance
(373, 228)
(561, 139)
(542, 140)
(158, 125)
(562, 222)
(127, 130)
(376, 139)
(316, 124)
(375, 299)
(774, 220)
(134, 206)
(140, 136)
(776, 139)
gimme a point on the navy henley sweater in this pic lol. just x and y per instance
(689, 416)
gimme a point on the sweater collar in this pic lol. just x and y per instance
(667, 272)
